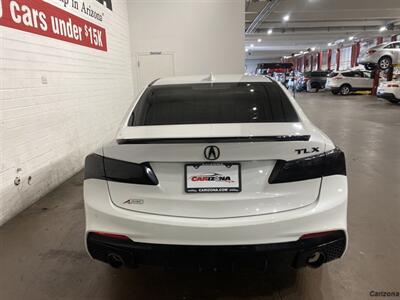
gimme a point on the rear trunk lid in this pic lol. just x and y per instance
(256, 147)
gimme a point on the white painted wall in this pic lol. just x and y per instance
(204, 35)
(47, 129)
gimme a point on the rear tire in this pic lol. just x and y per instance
(345, 89)
(384, 63)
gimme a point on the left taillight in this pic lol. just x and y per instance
(100, 167)
(316, 166)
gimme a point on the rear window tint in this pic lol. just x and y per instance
(333, 74)
(213, 103)
(348, 74)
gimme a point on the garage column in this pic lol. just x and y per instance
(337, 59)
(329, 58)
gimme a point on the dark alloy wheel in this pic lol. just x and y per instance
(345, 89)
(384, 63)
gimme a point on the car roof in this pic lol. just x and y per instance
(211, 78)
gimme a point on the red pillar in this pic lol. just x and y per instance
(375, 76)
(394, 38)
(329, 53)
(312, 62)
(337, 59)
(357, 54)
(379, 40)
(320, 60)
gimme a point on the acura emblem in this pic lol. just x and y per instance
(211, 152)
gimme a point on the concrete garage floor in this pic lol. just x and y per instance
(42, 254)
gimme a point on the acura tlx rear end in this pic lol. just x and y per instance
(216, 172)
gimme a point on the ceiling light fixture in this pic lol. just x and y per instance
(383, 28)
(286, 18)
(246, 50)
(251, 45)
(351, 38)
(313, 49)
(269, 31)
(259, 40)
(329, 44)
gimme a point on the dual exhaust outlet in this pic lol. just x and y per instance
(315, 260)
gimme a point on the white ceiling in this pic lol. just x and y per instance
(314, 23)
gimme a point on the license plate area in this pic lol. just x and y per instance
(212, 178)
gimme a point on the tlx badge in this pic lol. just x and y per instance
(307, 151)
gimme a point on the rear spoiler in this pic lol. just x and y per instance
(208, 140)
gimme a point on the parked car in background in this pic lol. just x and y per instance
(314, 80)
(389, 90)
(383, 55)
(344, 82)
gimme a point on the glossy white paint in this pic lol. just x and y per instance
(327, 213)
(389, 89)
(260, 213)
(364, 81)
(374, 54)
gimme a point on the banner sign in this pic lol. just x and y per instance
(42, 18)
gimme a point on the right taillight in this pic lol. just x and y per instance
(337, 78)
(393, 85)
(100, 167)
(316, 166)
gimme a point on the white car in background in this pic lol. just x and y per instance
(216, 172)
(383, 55)
(389, 90)
(345, 82)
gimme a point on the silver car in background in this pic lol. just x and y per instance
(383, 55)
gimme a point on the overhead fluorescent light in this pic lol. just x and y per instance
(259, 40)
(313, 49)
(269, 31)
(351, 38)
(383, 28)
(329, 44)
(251, 45)
(286, 18)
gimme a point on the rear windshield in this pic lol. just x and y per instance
(333, 74)
(213, 103)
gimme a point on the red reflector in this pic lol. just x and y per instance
(393, 85)
(316, 234)
(112, 235)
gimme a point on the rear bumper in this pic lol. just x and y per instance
(387, 96)
(296, 254)
(328, 212)
(365, 60)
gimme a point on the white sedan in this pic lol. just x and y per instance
(389, 90)
(384, 56)
(217, 172)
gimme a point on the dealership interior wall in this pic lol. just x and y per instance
(60, 101)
